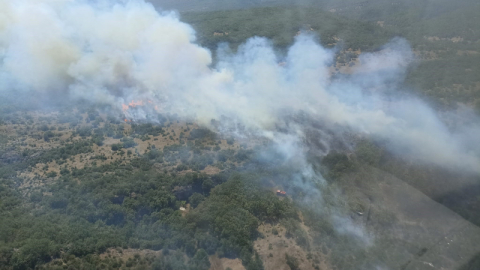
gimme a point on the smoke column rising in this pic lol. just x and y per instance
(113, 52)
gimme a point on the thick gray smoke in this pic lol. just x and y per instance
(116, 52)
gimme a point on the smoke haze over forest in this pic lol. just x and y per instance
(114, 53)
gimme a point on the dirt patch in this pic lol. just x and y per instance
(224, 263)
(211, 170)
(172, 136)
(130, 253)
(435, 38)
(273, 247)
(467, 52)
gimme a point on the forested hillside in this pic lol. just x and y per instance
(447, 45)
(90, 186)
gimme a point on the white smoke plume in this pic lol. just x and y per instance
(117, 51)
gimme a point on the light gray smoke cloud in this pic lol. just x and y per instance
(117, 51)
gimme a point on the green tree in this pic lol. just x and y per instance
(292, 262)
(207, 185)
(200, 261)
(196, 199)
(34, 252)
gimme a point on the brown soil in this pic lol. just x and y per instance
(223, 263)
(125, 254)
(272, 249)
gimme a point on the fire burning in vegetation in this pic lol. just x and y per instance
(139, 103)
(134, 103)
(134, 106)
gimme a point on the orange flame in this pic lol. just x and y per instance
(134, 103)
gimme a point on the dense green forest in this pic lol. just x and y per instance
(86, 197)
(66, 217)
(445, 39)
(85, 211)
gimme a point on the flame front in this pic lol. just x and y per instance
(149, 104)
(132, 104)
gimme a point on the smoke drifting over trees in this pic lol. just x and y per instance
(114, 52)
(125, 130)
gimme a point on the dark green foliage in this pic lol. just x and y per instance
(243, 155)
(196, 199)
(40, 237)
(33, 252)
(3, 139)
(357, 27)
(43, 128)
(208, 242)
(155, 154)
(52, 174)
(292, 262)
(131, 204)
(175, 261)
(69, 118)
(281, 25)
(199, 261)
(142, 163)
(230, 140)
(84, 131)
(448, 80)
(254, 263)
(48, 135)
(92, 115)
(199, 162)
(110, 130)
(63, 152)
(36, 196)
(98, 139)
(225, 155)
(202, 134)
(368, 153)
(147, 129)
(337, 164)
(116, 147)
(294, 230)
(233, 211)
(128, 143)
(207, 185)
